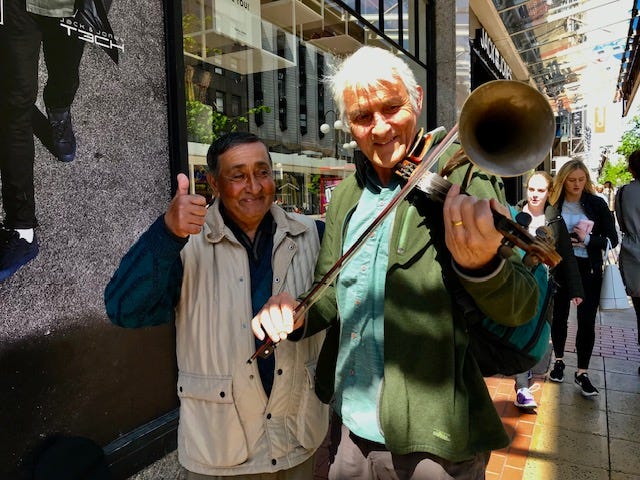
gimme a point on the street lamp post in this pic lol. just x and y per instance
(343, 133)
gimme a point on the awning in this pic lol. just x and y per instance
(571, 48)
(628, 77)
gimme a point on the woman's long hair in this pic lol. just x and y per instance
(571, 166)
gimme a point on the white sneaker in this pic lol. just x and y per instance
(524, 399)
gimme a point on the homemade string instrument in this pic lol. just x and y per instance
(506, 128)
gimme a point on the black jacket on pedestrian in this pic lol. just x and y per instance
(604, 226)
(566, 273)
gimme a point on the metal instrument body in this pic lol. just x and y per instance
(540, 249)
(506, 127)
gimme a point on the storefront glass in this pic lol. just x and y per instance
(258, 66)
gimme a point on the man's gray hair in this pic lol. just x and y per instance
(366, 68)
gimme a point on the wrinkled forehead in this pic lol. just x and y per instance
(375, 92)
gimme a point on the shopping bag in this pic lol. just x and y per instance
(613, 295)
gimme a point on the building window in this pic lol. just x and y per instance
(236, 101)
(251, 69)
(219, 101)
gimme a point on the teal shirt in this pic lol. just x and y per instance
(433, 398)
(360, 296)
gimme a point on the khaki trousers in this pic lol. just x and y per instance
(354, 458)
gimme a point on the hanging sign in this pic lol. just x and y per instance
(491, 54)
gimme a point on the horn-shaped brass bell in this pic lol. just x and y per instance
(506, 127)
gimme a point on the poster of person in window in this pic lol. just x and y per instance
(60, 29)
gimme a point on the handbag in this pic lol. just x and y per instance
(613, 295)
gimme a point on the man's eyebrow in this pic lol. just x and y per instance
(240, 166)
(357, 111)
(392, 100)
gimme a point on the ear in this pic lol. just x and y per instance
(211, 180)
(420, 98)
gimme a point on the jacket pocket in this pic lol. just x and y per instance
(312, 422)
(210, 426)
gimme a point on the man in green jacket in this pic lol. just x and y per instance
(407, 395)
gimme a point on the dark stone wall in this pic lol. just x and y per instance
(63, 367)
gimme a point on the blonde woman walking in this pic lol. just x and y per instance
(590, 224)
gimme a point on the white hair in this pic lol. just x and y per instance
(366, 68)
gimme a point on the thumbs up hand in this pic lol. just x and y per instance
(186, 212)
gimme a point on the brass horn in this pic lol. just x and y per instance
(506, 127)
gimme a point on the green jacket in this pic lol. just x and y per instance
(433, 398)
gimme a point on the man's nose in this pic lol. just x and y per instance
(380, 124)
(252, 183)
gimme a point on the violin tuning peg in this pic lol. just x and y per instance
(545, 234)
(523, 219)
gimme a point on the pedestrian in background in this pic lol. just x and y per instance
(211, 270)
(610, 193)
(590, 224)
(628, 214)
(566, 273)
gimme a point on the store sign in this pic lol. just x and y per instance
(239, 20)
(492, 54)
(600, 120)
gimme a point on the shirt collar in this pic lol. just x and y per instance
(264, 232)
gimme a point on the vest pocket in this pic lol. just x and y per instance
(210, 426)
(312, 421)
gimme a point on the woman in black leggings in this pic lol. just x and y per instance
(590, 223)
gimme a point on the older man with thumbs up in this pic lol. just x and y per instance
(211, 270)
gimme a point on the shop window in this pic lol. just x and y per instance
(302, 88)
(261, 69)
(236, 101)
(219, 101)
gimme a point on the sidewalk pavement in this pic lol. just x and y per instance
(570, 437)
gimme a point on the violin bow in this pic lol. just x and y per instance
(422, 144)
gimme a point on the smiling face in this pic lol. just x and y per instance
(245, 184)
(574, 185)
(382, 122)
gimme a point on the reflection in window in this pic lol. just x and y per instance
(235, 105)
(219, 101)
(261, 69)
